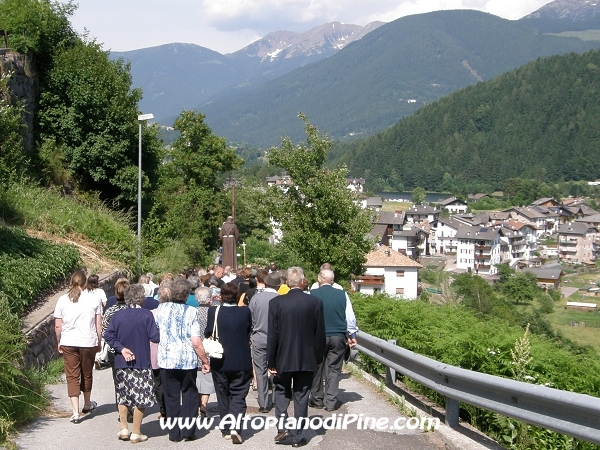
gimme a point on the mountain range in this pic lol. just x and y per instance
(349, 80)
(177, 76)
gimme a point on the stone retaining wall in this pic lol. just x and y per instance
(41, 338)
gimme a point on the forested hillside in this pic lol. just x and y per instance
(366, 87)
(539, 121)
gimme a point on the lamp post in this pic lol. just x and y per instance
(141, 118)
(244, 247)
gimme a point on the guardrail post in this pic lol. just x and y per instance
(390, 374)
(452, 412)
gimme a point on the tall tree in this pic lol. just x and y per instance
(88, 117)
(189, 204)
(319, 217)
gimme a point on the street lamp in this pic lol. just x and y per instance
(141, 118)
(244, 247)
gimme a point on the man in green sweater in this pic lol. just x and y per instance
(336, 332)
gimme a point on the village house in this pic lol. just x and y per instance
(355, 184)
(513, 247)
(488, 219)
(407, 238)
(577, 243)
(445, 235)
(593, 220)
(454, 205)
(581, 210)
(373, 203)
(528, 230)
(474, 198)
(532, 216)
(284, 180)
(479, 249)
(547, 277)
(389, 272)
(422, 213)
(546, 201)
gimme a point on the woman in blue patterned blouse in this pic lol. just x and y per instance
(179, 349)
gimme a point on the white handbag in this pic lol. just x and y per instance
(212, 346)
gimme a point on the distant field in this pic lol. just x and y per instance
(587, 35)
(561, 318)
(396, 206)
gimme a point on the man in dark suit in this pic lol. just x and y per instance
(295, 348)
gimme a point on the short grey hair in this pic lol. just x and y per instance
(194, 282)
(134, 295)
(203, 295)
(180, 290)
(326, 276)
(295, 276)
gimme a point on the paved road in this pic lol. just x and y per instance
(97, 431)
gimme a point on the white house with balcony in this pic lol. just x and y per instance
(445, 235)
(388, 271)
(479, 249)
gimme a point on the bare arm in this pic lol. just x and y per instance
(199, 349)
(58, 323)
(99, 330)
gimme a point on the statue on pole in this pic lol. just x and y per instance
(229, 237)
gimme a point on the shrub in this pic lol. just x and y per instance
(28, 266)
(20, 394)
(455, 335)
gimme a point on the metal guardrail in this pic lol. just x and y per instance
(569, 413)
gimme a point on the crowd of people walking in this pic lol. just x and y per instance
(279, 338)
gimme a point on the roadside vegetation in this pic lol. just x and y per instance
(456, 334)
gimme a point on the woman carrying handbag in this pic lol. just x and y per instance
(232, 374)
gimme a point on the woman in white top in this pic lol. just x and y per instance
(92, 289)
(78, 323)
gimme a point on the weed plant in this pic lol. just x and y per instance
(21, 391)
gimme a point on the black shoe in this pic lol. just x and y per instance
(315, 405)
(335, 407)
(301, 443)
(264, 410)
(193, 437)
(175, 440)
(282, 436)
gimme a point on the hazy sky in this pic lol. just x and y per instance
(228, 25)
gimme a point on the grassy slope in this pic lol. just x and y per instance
(103, 236)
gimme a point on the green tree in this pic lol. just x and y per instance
(418, 195)
(88, 119)
(319, 217)
(38, 27)
(189, 204)
(520, 287)
(253, 212)
(476, 293)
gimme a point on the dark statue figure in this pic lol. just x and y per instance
(229, 237)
